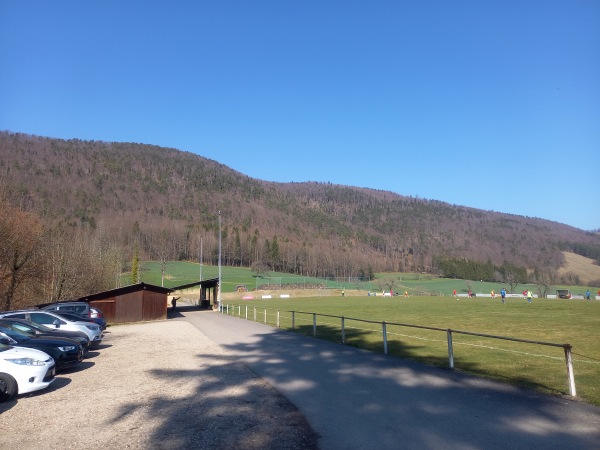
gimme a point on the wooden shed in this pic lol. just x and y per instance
(135, 303)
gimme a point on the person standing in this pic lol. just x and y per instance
(493, 294)
(529, 295)
(503, 295)
(588, 295)
(405, 294)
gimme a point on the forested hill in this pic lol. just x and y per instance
(167, 201)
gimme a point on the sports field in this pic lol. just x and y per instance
(576, 322)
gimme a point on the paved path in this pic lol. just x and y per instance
(358, 400)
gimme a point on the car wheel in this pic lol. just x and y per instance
(8, 387)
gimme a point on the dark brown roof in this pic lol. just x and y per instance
(125, 290)
(207, 283)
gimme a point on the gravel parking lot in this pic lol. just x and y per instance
(160, 385)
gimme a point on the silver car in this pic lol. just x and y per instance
(52, 320)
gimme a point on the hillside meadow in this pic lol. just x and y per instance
(178, 273)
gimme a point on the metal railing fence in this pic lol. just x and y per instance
(274, 319)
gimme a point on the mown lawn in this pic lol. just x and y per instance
(543, 368)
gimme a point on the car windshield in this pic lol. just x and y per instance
(37, 326)
(23, 328)
(14, 334)
(70, 316)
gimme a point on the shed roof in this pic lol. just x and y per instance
(125, 290)
(212, 282)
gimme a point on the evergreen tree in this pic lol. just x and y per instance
(135, 266)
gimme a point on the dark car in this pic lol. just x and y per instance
(75, 316)
(66, 352)
(36, 329)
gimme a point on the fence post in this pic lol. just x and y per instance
(278, 319)
(255, 313)
(293, 320)
(450, 349)
(343, 331)
(265, 315)
(239, 310)
(570, 373)
(246, 312)
(227, 308)
(314, 324)
(385, 347)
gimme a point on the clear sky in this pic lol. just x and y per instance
(488, 104)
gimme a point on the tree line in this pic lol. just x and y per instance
(164, 202)
(42, 263)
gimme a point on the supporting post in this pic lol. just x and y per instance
(265, 315)
(246, 312)
(343, 331)
(450, 349)
(278, 319)
(570, 373)
(227, 308)
(385, 346)
(314, 324)
(293, 320)
(255, 313)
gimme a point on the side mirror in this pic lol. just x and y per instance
(4, 340)
(56, 323)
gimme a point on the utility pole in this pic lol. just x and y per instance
(200, 261)
(200, 258)
(219, 291)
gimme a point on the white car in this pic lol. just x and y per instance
(52, 320)
(23, 370)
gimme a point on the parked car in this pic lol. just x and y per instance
(81, 308)
(52, 320)
(65, 352)
(96, 312)
(23, 370)
(74, 316)
(35, 329)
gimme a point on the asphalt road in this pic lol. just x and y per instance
(358, 400)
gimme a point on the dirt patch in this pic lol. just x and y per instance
(161, 385)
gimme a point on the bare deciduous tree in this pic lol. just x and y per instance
(20, 234)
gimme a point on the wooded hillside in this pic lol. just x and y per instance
(167, 200)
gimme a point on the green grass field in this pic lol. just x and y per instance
(181, 272)
(543, 368)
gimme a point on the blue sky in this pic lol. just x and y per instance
(493, 105)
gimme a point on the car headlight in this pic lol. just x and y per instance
(93, 327)
(67, 348)
(27, 362)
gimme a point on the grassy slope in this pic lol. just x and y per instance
(582, 266)
(181, 272)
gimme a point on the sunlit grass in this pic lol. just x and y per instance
(543, 368)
